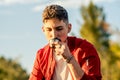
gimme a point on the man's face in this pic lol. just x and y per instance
(54, 28)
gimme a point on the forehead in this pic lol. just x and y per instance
(54, 23)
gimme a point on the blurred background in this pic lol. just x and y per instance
(21, 35)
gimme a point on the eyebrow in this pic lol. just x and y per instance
(55, 27)
(58, 26)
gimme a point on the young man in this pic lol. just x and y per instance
(64, 57)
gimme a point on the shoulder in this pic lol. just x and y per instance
(44, 50)
(82, 44)
(79, 41)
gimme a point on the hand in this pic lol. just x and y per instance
(60, 48)
(53, 42)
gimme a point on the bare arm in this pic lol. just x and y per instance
(73, 65)
(75, 69)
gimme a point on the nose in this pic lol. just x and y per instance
(53, 34)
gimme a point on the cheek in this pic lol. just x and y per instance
(47, 35)
(63, 36)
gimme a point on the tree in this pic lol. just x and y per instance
(11, 70)
(95, 30)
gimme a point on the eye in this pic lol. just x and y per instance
(59, 28)
(48, 29)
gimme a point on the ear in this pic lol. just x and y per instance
(43, 29)
(69, 27)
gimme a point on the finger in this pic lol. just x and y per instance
(54, 42)
(58, 46)
(57, 51)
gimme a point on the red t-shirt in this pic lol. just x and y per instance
(84, 53)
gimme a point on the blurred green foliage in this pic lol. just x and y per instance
(95, 30)
(11, 70)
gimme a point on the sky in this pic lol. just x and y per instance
(20, 25)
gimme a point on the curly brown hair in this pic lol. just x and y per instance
(55, 11)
